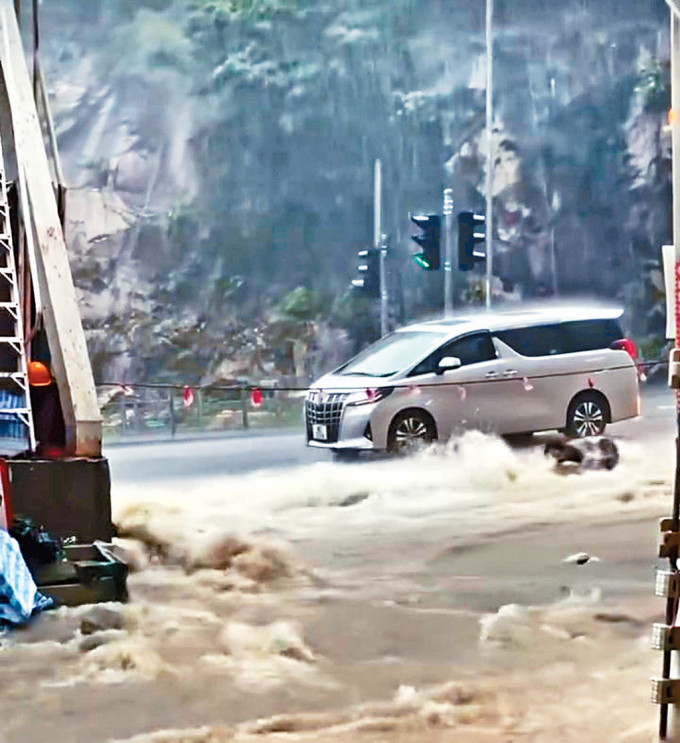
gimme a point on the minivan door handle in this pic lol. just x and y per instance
(510, 372)
(492, 374)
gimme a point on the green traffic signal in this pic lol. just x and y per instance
(429, 241)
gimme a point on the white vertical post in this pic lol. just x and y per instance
(377, 203)
(383, 286)
(490, 153)
(380, 242)
(448, 252)
(673, 729)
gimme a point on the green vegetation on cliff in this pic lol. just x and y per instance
(240, 136)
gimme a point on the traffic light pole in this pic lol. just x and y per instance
(380, 243)
(383, 286)
(448, 252)
(489, 153)
(377, 204)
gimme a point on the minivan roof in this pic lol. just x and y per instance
(521, 318)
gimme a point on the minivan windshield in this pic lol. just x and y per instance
(393, 353)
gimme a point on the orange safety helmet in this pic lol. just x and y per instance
(38, 374)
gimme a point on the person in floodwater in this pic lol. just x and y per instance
(48, 420)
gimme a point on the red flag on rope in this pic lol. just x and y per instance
(187, 397)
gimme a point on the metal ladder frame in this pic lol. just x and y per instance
(16, 342)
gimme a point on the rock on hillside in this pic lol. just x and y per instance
(220, 153)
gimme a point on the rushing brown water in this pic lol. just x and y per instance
(414, 599)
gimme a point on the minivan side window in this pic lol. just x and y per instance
(472, 349)
(566, 337)
(541, 340)
(590, 335)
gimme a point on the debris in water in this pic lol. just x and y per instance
(101, 618)
(581, 558)
(112, 662)
(263, 564)
(280, 638)
(581, 454)
(352, 500)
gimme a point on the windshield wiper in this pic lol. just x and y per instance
(367, 374)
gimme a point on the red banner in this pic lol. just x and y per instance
(677, 323)
(6, 514)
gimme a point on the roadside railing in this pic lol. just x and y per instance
(150, 410)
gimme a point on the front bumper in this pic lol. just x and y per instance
(362, 444)
(353, 426)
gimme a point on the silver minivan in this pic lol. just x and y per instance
(512, 372)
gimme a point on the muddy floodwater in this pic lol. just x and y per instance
(417, 599)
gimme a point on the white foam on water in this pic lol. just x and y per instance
(472, 485)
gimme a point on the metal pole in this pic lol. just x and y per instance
(137, 422)
(448, 252)
(383, 286)
(171, 406)
(199, 406)
(40, 94)
(379, 242)
(42, 91)
(122, 410)
(377, 203)
(243, 394)
(490, 153)
(671, 661)
(36, 47)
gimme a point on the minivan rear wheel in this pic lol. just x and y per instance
(588, 415)
(410, 429)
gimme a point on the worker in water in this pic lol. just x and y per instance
(48, 419)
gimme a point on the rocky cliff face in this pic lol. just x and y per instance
(220, 153)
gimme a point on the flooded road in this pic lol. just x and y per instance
(328, 587)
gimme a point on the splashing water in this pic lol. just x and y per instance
(471, 486)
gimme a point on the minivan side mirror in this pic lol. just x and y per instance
(448, 363)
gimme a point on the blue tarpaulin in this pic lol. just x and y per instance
(19, 596)
(11, 425)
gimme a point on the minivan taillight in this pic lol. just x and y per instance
(625, 344)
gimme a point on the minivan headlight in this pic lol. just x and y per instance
(369, 395)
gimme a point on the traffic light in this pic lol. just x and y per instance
(471, 232)
(369, 272)
(429, 241)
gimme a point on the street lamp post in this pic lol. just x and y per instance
(489, 153)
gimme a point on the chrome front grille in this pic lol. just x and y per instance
(325, 408)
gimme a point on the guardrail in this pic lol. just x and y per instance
(148, 410)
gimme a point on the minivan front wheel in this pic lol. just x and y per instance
(588, 415)
(410, 429)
